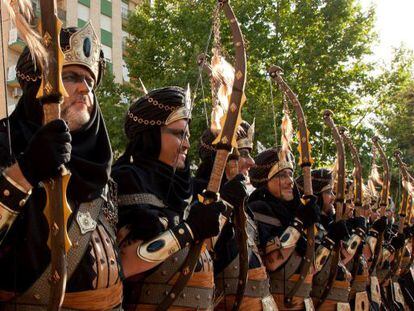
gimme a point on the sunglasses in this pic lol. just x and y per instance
(179, 133)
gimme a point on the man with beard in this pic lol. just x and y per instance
(281, 219)
(80, 142)
(155, 189)
(227, 265)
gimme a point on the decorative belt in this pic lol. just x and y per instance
(284, 286)
(360, 283)
(192, 297)
(339, 291)
(99, 299)
(257, 284)
(248, 304)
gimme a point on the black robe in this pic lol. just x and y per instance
(263, 202)
(24, 253)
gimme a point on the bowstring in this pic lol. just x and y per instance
(273, 110)
(191, 110)
(204, 100)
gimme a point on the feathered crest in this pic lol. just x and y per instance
(369, 195)
(371, 187)
(188, 97)
(222, 78)
(375, 176)
(287, 132)
(408, 186)
(21, 14)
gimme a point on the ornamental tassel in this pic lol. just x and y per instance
(287, 134)
(374, 180)
(222, 75)
(21, 14)
(407, 186)
(375, 176)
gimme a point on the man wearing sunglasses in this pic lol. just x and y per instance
(281, 219)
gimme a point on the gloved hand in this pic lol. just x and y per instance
(380, 224)
(358, 222)
(409, 231)
(204, 220)
(398, 241)
(48, 149)
(338, 231)
(234, 191)
(309, 213)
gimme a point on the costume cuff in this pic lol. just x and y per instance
(12, 198)
(168, 243)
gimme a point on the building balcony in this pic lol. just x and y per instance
(15, 42)
(11, 77)
(61, 9)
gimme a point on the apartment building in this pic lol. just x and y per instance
(109, 20)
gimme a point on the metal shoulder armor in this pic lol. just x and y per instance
(168, 243)
(291, 235)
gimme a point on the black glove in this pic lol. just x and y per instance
(48, 149)
(380, 224)
(338, 231)
(204, 220)
(309, 213)
(409, 231)
(234, 191)
(398, 241)
(358, 225)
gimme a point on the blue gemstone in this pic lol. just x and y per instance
(285, 238)
(156, 246)
(87, 47)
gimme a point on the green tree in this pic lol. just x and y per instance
(393, 112)
(395, 103)
(111, 97)
(320, 44)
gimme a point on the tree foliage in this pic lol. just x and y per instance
(111, 100)
(320, 45)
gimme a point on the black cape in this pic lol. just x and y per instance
(24, 253)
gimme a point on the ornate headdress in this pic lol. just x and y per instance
(183, 112)
(84, 49)
(157, 108)
(246, 142)
(268, 163)
(80, 47)
(322, 180)
(245, 137)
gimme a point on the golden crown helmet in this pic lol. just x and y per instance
(183, 112)
(84, 49)
(248, 141)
